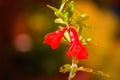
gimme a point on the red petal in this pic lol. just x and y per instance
(53, 39)
(76, 48)
(83, 54)
(48, 38)
(70, 52)
(74, 36)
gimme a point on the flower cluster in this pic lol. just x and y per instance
(76, 48)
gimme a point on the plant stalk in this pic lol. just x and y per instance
(73, 68)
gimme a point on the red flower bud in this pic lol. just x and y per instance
(76, 48)
(53, 39)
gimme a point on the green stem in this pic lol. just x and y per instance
(73, 68)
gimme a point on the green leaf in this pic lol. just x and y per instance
(64, 1)
(58, 13)
(84, 42)
(69, 8)
(67, 36)
(63, 4)
(88, 39)
(92, 71)
(66, 13)
(53, 8)
(59, 20)
(66, 17)
(103, 74)
(85, 69)
(65, 68)
(82, 18)
(81, 24)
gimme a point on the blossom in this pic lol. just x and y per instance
(53, 39)
(76, 48)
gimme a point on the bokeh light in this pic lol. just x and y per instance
(23, 42)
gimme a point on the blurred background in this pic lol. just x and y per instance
(24, 23)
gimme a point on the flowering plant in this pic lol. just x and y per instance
(70, 31)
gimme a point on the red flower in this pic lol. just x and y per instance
(76, 48)
(53, 39)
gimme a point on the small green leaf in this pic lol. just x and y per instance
(80, 37)
(82, 17)
(66, 17)
(63, 1)
(102, 74)
(92, 71)
(63, 4)
(65, 68)
(58, 13)
(84, 42)
(53, 8)
(88, 40)
(85, 69)
(65, 41)
(69, 8)
(85, 25)
(59, 20)
(67, 36)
